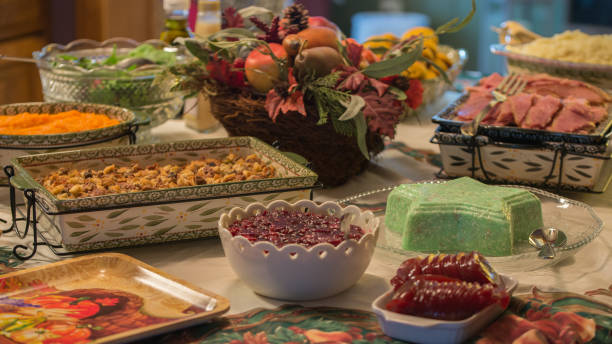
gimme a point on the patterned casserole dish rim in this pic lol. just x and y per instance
(502, 50)
(302, 176)
(127, 118)
(445, 118)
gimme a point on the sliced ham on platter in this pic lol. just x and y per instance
(546, 103)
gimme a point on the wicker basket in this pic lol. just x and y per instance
(334, 157)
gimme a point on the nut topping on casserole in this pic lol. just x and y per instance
(112, 179)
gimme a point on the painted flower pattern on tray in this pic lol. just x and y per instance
(287, 324)
(36, 313)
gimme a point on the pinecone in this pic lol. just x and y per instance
(297, 17)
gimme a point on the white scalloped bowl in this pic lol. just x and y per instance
(295, 272)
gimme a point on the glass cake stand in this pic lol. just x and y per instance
(576, 219)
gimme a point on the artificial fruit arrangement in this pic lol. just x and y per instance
(297, 82)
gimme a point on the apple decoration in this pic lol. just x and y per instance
(260, 68)
(322, 21)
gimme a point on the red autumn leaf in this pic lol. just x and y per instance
(351, 79)
(273, 104)
(292, 80)
(382, 113)
(382, 110)
(218, 69)
(379, 86)
(295, 102)
(226, 74)
(237, 74)
(276, 104)
(353, 51)
(231, 18)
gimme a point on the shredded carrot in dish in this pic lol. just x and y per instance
(59, 123)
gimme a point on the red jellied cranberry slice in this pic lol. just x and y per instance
(282, 227)
(445, 298)
(470, 267)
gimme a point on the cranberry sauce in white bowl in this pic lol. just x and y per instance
(300, 251)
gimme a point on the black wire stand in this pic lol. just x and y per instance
(31, 220)
(30, 217)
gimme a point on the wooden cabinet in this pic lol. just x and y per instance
(23, 29)
(104, 19)
(28, 25)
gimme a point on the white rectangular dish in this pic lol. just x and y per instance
(424, 330)
(585, 167)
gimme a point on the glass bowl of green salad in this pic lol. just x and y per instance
(118, 71)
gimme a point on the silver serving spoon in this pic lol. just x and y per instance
(17, 59)
(546, 239)
(550, 236)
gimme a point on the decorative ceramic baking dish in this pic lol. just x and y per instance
(598, 75)
(549, 164)
(448, 123)
(12, 146)
(129, 219)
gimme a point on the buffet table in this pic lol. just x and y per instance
(409, 158)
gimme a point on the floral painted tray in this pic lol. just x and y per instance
(103, 298)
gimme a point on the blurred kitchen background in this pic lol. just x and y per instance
(28, 25)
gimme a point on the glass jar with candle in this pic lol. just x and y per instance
(209, 22)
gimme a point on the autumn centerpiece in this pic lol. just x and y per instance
(294, 81)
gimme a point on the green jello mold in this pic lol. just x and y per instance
(462, 215)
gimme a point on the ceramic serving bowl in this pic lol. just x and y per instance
(425, 330)
(12, 146)
(598, 75)
(294, 272)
